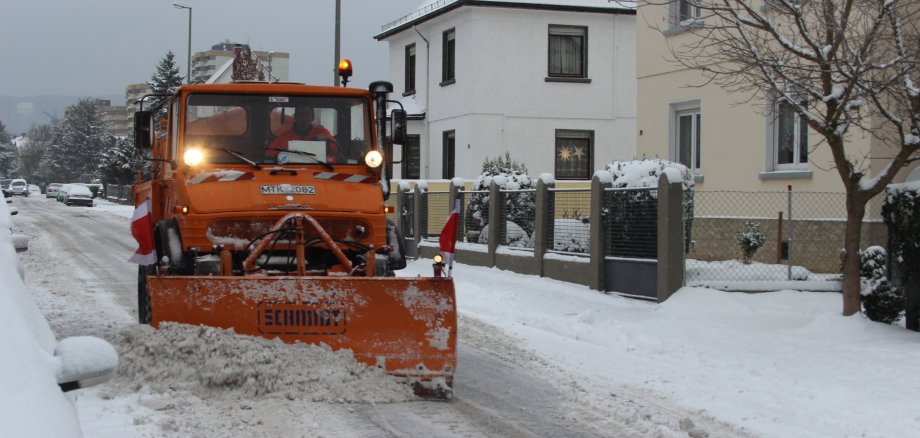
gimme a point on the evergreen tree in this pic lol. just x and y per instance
(520, 208)
(166, 77)
(41, 137)
(8, 156)
(119, 164)
(80, 143)
(246, 67)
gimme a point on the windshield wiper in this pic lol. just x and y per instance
(308, 154)
(240, 156)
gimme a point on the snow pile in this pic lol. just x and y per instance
(210, 361)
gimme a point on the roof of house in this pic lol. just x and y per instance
(433, 8)
(414, 109)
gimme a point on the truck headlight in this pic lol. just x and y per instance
(193, 156)
(373, 159)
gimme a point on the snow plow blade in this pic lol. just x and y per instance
(406, 326)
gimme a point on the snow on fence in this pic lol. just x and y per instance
(715, 226)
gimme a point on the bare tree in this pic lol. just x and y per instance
(845, 66)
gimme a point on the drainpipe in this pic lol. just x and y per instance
(427, 100)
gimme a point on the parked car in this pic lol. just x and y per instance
(19, 187)
(77, 194)
(5, 186)
(52, 189)
(97, 189)
(60, 193)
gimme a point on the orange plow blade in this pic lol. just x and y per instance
(406, 326)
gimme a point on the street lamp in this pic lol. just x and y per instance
(188, 72)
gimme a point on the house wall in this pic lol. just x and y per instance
(736, 150)
(501, 100)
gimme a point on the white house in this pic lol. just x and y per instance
(552, 82)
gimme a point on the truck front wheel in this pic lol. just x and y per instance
(144, 308)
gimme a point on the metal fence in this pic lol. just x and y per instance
(119, 194)
(474, 216)
(632, 222)
(769, 236)
(571, 213)
(518, 210)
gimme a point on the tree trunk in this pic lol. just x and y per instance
(856, 209)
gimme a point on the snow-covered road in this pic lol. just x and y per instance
(77, 266)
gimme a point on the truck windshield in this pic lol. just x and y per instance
(280, 129)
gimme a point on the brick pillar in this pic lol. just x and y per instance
(597, 240)
(670, 237)
(543, 224)
(496, 221)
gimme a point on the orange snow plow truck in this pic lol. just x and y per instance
(267, 209)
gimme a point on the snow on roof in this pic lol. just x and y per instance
(432, 6)
(413, 107)
(219, 77)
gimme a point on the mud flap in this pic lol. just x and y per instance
(406, 326)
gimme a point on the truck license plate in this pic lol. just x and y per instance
(287, 189)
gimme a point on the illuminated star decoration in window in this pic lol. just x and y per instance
(579, 152)
(565, 154)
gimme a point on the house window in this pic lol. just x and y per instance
(574, 154)
(688, 138)
(412, 157)
(568, 51)
(410, 70)
(685, 13)
(790, 137)
(447, 164)
(449, 58)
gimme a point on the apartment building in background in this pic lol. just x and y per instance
(206, 63)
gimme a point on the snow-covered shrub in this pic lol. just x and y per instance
(638, 210)
(750, 239)
(515, 236)
(520, 208)
(901, 213)
(572, 235)
(881, 302)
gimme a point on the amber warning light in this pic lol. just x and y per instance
(345, 70)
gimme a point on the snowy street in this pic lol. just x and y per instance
(536, 357)
(501, 388)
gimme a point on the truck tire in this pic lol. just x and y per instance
(164, 246)
(144, 308)
(397, 259)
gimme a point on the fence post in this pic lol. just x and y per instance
(670, 237)
(452, 196)
(543, 223)
(420, 230)
(598, 267)
(496, 221)
(789, 245)
(402, 222)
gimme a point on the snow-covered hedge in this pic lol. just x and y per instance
(636, 210)
(901, 213)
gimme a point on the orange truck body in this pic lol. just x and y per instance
(294, 245)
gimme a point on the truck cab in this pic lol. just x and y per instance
(229, 160)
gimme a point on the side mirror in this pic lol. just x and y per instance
(143, 129)
(85, 361)
(398, 119)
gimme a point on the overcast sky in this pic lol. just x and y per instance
(97, 47)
